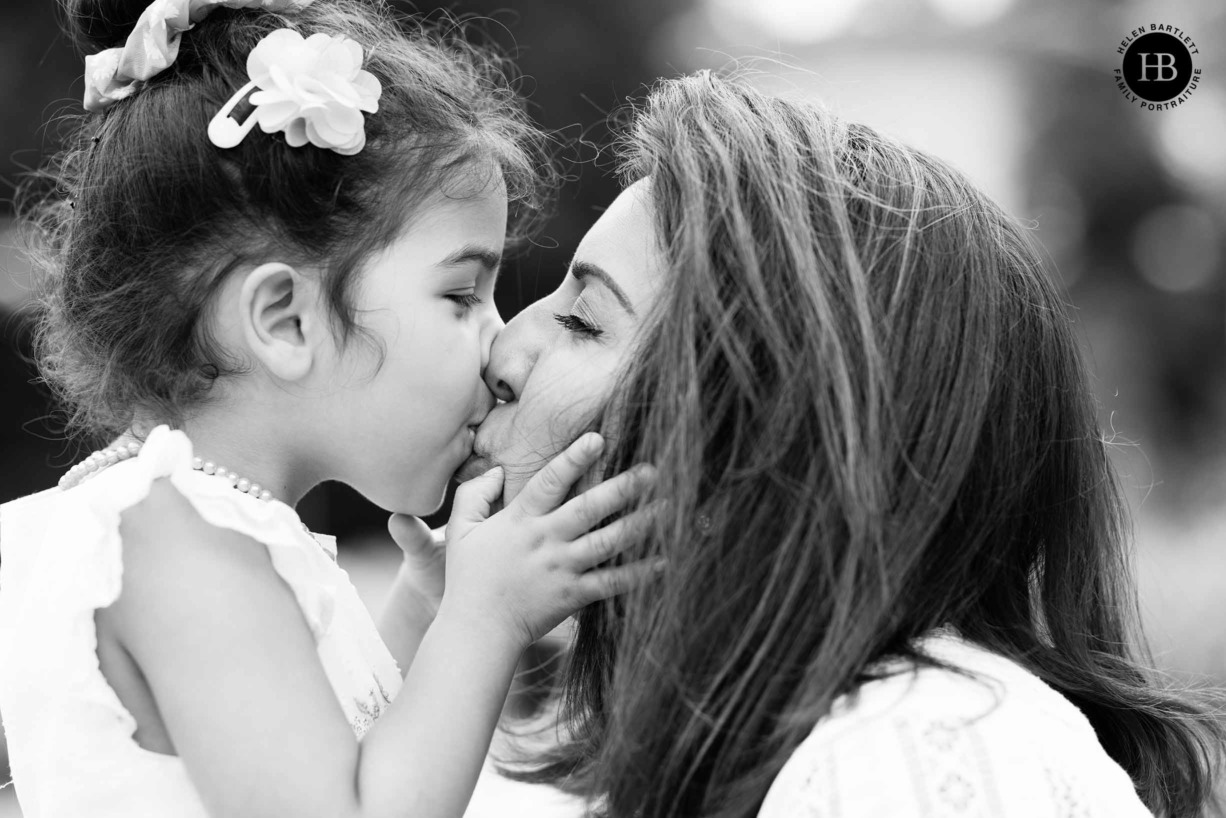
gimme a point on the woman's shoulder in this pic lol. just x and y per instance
(978, 735)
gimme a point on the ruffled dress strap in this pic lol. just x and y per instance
(361, 670)
(295, 553)
(71, 739)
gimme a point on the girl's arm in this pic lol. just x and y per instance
(239, 685)
(413, 600)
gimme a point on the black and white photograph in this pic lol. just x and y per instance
(642, 409)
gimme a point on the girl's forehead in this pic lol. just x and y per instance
(452, 233)
(468, 208)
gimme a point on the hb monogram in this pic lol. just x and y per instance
(1163, 64)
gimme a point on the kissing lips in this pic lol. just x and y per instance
(479, 460)
(476, 464)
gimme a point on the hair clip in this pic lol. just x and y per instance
(224, 131)
(312, 89)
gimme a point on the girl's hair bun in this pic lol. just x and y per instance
(98, 24)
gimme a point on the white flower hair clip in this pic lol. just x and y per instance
(313, 89)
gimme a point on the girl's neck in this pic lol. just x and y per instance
(253, 450)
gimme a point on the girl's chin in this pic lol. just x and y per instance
(417, 507)
(418, 498)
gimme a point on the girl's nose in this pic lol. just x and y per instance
(490, 330)
(513, 355)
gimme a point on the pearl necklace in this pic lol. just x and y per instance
(100, 460)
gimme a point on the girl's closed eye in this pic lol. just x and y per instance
(465, 301)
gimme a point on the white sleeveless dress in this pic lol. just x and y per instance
(69, 737)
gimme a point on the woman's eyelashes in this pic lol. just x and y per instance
(577, 326)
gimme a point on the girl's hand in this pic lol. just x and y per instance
(425, 559)
(533, 564)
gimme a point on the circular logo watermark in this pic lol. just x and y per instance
(1158, 70)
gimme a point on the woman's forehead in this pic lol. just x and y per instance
(623, 242)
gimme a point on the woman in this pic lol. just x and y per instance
(897, 582)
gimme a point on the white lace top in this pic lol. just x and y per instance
(69, 737)
(931, 743)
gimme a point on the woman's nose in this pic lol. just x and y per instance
(513, 355)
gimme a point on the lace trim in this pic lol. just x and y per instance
(370, 709)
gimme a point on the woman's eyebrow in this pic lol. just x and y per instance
(585, 269)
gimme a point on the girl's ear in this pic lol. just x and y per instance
(281, 322)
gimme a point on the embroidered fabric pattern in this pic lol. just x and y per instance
(949, 767)
(370, 709)
(1064, 794)
(994, 742)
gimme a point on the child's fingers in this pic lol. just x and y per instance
(548, 487)
(473, 500)
(584, 512)
(603, 544)
(607, 582)
(411, 534)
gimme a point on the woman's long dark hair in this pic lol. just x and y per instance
(869, 409)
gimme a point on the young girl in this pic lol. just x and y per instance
(302, 301)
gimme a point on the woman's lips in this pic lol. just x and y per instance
(475, 465)
(479, 460)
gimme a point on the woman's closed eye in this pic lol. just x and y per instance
(577, 326)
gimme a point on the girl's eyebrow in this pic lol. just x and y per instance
(491, 260)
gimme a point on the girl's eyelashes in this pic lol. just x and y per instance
(466, 301)
(577, 326)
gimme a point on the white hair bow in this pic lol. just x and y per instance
(153, 45)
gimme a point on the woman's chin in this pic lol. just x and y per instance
(475, 466)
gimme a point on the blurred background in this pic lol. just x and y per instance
(1129, 203)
